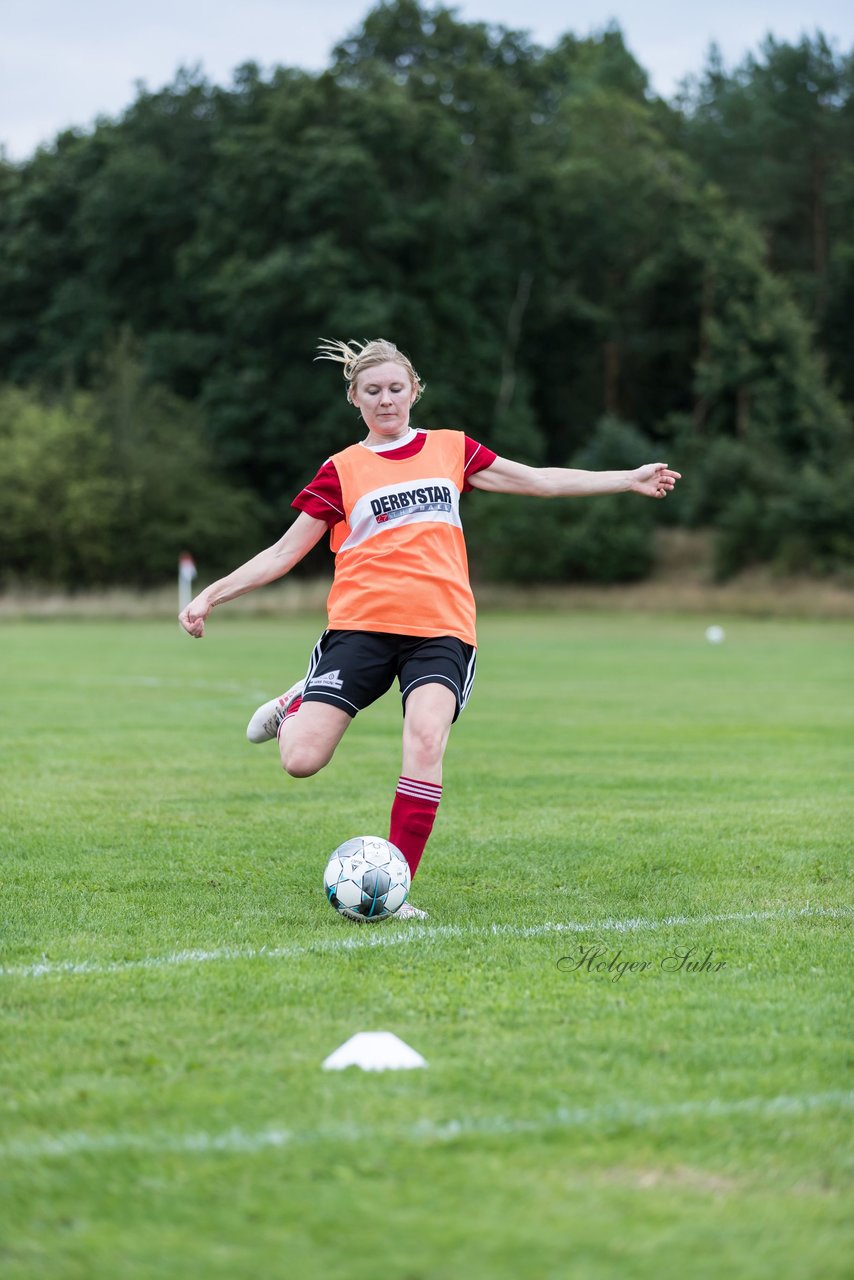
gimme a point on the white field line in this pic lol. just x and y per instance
(237, 1141)
(387, 934)
(161, 682)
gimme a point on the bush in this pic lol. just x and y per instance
(765, 508)
(803, 524)
(605, 539)
(110, 487)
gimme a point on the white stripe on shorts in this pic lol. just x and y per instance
(434, 677)
(316, 655)
(470, 674)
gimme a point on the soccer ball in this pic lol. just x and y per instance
(366, 878)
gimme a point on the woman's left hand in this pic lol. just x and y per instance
(654, 480)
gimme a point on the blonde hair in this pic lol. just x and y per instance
(356, 357)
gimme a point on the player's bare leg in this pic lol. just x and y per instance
(308, 738)
(426, 726)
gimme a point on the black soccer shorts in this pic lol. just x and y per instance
(352, 669)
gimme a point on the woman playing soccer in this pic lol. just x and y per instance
(401, 605)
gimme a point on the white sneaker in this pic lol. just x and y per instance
(266, 720)
(408, 912)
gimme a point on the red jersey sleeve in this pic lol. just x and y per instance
(478, 458)
(321, 497)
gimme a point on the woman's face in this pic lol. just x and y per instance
(384, 394)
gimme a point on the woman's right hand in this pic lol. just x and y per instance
(192, 619)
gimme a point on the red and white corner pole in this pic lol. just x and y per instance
(186, 576)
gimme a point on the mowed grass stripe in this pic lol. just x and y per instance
(237, 1141)
(412, 935)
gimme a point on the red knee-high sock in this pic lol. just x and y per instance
(412, 816)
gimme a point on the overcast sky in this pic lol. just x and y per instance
(64, 62)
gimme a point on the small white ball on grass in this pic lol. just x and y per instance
(715, 635)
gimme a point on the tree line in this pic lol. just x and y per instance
(583, 274)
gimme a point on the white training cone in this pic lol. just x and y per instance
(374, 1051)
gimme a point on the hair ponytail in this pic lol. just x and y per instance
(356, 356)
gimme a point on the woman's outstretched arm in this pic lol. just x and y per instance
(654, 480)
(271, 563)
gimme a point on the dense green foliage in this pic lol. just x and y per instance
(108, 485)
(558, 251)
(777, 135)
(171, 977)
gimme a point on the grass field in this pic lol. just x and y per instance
(619, 792)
